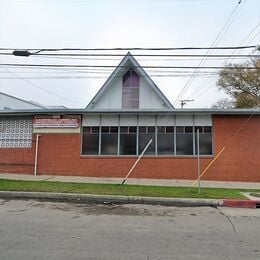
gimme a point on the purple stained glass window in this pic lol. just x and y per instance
(134, 103)
(134, 80)
(126, 103)
(130, 91)
(126, 79)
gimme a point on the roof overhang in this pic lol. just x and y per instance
(31, 112)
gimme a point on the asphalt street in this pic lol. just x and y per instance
(47, 230)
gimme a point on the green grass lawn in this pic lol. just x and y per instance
(117, 189)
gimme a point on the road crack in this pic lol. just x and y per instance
(228, 218)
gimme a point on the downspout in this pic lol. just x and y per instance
(36, 154)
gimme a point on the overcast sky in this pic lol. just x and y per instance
(26, 24)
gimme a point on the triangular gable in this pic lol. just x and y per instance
(129, 62)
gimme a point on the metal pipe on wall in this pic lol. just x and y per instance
(198, 153)
(36, 154)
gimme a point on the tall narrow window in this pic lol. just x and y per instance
(184, 140)
(130, 92)
(128, 140)
(109, 139)
(146, 133)
(165, 140)
(205, 137)
(90, 141)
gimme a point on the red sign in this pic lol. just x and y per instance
(55, 123)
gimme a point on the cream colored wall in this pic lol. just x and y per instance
(56, 130)
(147, 120)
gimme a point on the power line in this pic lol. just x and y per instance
(229, 59)
(36, 86)
(103, 77)
(203, 85)
(103, 71)
(138, 55)
(204, 91)
(244, 40)
(136, 49)
(186, 59)
(122, 66)
(216, 40)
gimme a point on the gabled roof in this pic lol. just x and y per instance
(30, 102)
(130, 61)
(23, 101)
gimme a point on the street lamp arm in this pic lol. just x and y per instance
(25, 53)
(21, 53)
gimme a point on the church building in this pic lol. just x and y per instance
(130, 116)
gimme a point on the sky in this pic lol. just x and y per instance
(41, 24)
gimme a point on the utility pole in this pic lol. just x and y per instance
(185, 101)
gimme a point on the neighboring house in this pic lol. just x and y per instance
(106, 138)
(8, 102)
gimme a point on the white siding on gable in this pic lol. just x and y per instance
(148, 98)
(111, 98)
(110, 95)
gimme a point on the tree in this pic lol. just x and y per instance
(224, 103)
(242, 83)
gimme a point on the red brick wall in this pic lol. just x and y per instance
(17, 160)
(60, 154)
(241, 159)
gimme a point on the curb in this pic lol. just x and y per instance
(107, 199)
(240, 203)
(113, 199)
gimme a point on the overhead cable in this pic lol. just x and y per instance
(135, 49)
(216, 40)
(29, 83)
(119, 66)
(138, 55)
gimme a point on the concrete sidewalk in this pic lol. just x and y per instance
(155, 182)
